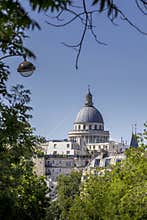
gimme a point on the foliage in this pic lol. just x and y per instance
(67, 189)
(15, 20)
(119, 194)
(22, 193)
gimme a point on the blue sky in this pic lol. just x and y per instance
(117, 74)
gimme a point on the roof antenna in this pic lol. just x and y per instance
(132, 129)
(88, 88)
(135, 127)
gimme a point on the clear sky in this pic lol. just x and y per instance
(117, 74)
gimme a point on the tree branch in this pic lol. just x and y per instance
(84, 14)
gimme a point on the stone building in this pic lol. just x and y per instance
(89, 125)
(87, 140)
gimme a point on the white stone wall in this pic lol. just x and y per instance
(112, 147)
(61, 148)
(84, 136)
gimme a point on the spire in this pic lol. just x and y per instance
(88, 101)
(134, 141)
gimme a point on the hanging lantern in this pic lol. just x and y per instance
(26, 68)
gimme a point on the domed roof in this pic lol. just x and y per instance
(89, 113)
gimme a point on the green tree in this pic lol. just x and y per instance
(118, 194)
(67, 188)
(15, 20)
(22, 193)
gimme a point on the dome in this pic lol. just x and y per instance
(89, 114)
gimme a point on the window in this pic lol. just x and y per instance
(95, 127)
(93, 147)
(97, 139)
(97, 162)
(54, 152)
(118, 160)
(55, 146)
(67, 152)
(84, 127)
(75, 127)
(79, 127)
(48, 172)
(49, 163)
(94, 139)
(107, 162)
(89, 127)
(67, 145)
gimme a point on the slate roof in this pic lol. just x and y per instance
(89, 114)
(134, 141)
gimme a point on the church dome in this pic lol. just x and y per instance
(89, 113)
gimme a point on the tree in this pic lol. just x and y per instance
(22, 193)
(15, 20)
(67, 189)
(118, 194)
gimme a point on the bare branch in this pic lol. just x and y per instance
(131, 23)
(84, 14)
(83, 34)
(79, 15)
(93, 33)
(140, 8)
(57, 16)
(68, 22)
